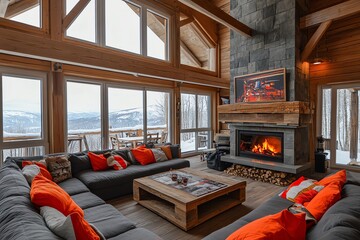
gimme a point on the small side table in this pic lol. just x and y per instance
(320, 162)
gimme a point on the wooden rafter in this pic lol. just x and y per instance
(20, 7)
(206, 25)
(218, 15)
(189, 54)
(75, 12)
(186, 21)
(199, 31)
(314, 40)
(338, 11)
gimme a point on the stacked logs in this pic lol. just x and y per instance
(263, 175)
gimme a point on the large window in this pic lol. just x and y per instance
(195, 122)
(83, 116)
(340, 123)
(23, 128)
(22, 11)
(102, 115)
(131, 26)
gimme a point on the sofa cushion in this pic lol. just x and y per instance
(87, 199)
(19, 160)
(42, 165)
(98, 161)
(137, 233)
(143, 155)
(79, 162)
(110, 184)
(123, 153)
(19, 220)
(166, 149)
(73, 186)
(108, 220)
(47, 193)
(339, 177)
(282, 225)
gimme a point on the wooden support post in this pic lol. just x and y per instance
(56, 10)
(354, 120)
(177, 107)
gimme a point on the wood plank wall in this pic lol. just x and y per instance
(341, 45)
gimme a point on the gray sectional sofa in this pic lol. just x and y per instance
(340, 222)
(20, 220)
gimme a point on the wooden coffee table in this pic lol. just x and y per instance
(184, 209)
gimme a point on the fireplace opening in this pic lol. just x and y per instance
(261, 145)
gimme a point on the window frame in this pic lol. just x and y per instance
(333, 119)
(43, 141)
(104, 86)
(197, 130)
(100, 34)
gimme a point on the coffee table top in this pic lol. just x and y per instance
(185, 197)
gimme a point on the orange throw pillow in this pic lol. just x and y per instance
(98, 162)
(167, 151)
(143, 155)
(43, 169)
(339, 176)
(302, 190)
(324, 200)
(283, 225)
(47, 193)
(117, 162)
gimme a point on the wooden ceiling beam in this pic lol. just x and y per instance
(218, 15)
(190, 55)
(20, 7)
(336, 12)
(75, 12)
(314, 40)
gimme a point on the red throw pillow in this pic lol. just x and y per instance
(283, 225)
(98, 162)
(143, 155)
(339, 176)
(43, 169)
(324, 200)
(117, 162)
(47, 193)
(302, 190)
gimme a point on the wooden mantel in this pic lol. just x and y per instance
(280, 113)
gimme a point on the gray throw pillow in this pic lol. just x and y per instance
(159, 154)
(30, 172)
(59, 168)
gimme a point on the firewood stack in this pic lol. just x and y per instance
(263, 175)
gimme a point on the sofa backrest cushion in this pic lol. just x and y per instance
(124, 153)
(79, 162)
(19, 160)
(44, 192)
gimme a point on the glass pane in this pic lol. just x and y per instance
(23, 152)
(23, 11)
(122, 23)
(22, 108)
(188, 111)
(187, 142)
(70, 4)
(158, 116)
(203, 111)
(343, 133)
(84, 25)
(84, 116)
(156, 36)
(203, 140)
(126, 115)
(194, 48)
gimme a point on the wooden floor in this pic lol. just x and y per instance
(256, 194)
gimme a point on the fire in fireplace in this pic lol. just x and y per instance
(261, 145)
